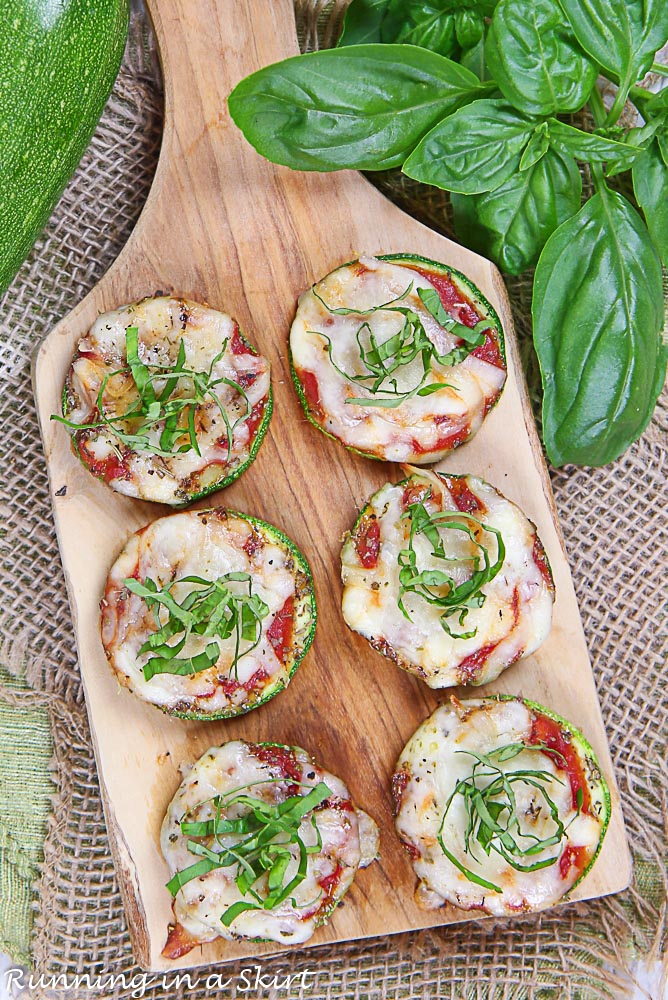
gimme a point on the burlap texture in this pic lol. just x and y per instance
(613, 519)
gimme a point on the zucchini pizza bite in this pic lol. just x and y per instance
(207, 614)
(262, 843)
(448, 578)
(501, 805)
(166, 400)
(398, 357)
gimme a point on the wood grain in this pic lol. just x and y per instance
(224, 226)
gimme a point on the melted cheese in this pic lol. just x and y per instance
(434, 763)
(513, 621)
(164, 323)
(415, 430)
(349, 841)
(207, 544)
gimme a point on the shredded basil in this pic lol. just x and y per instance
(436, 586)
(493, 818)
(259, 845)
(168, 398)
(216, 609)
(382, 360)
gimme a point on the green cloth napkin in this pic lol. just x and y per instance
(25, 794)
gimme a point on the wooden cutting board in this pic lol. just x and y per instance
(223, 225)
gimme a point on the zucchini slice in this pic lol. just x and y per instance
(397, 357)
(448, 578)
(207, 614)
(501, 805)
(244, 787)
(166, 400)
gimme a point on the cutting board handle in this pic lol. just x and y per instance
(206, 47)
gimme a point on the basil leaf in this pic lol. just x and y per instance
(469, 28)
(439, 25)
(656, 105)
(474, 150)
(474, 59)
(362, 22)
(650, 186)
(537, 147)
(361, 106)
(535, 59)
(590, 147)
(421, 22)
(512, 224)
(598, 315)
(622, 37)
(640, 138)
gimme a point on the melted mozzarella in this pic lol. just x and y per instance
(427, 772)
(415, 430)
(163, 324)
(513, 621)
(207, 544)
(349, 841)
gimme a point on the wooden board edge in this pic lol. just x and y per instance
(124, 864)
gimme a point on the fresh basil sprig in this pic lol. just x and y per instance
(213, 610)
(444, 26)
(260, 844)
(382, 360)
(166, 404)
(436, 586)
(493, 818)
(510, 162)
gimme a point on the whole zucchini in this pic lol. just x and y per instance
(58, 63)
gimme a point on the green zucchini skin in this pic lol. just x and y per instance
(415, 260)
(58, 64)
(308, 607)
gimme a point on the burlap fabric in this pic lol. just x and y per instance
(613, 520)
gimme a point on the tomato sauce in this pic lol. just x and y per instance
(335, 802)
(414, 494)
(283, 759)
(246, 378)
(253, 544)
(367, 542)
(179, 942)
(462, 496)
(547, 731)
(399, 782)
(254, 419)
(573, 856)
(108, 468)
(230, 685)
(411, 850)
(451, 296)
(541, 562)
(279, 632)
(448, 441)
(311, 389)
(471, 665)
(329, 882)
(490, 351)
(238, 345)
